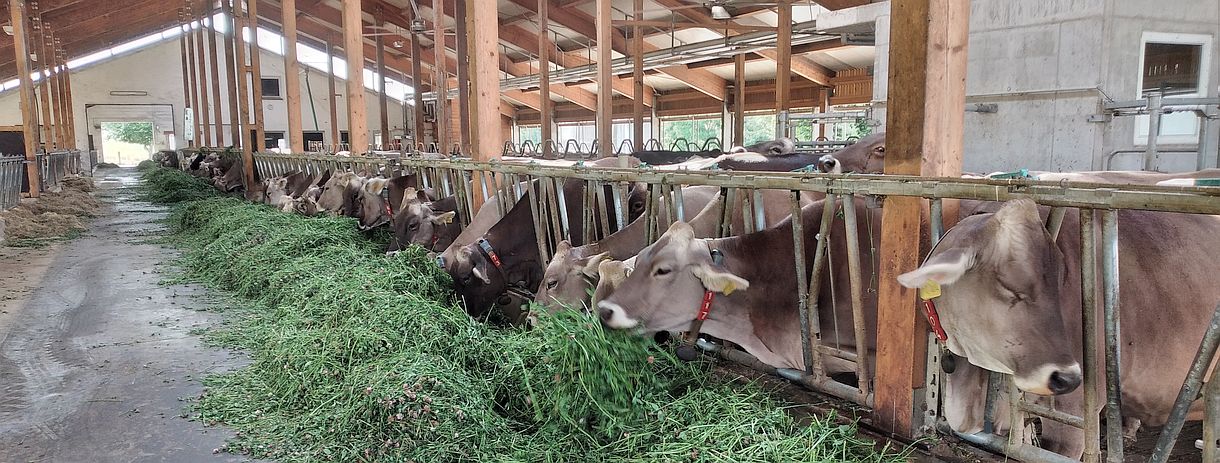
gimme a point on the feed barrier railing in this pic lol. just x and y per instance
(1097, 204)
(12, 175)
(55, 165)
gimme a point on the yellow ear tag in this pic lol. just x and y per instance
(929, 290)
(729, 288)
(449, 219)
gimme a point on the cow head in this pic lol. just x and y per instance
(416, 222)
(568, 278)
(1000, 277)
(865, 156)
(371, 205)
(675, 269)
(337, 193)
(778, 147)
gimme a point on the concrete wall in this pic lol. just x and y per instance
(157, 70)
(1048, 65)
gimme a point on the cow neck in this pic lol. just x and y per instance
(928, 295)
(709, 296)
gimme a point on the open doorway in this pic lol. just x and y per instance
(126, 143)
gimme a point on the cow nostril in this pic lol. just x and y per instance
(605, 314)
(1063, 382)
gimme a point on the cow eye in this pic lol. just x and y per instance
(552, 284)
(661, 271)
(414, 227)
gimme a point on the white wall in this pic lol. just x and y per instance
(157, 70)
(1049, 65)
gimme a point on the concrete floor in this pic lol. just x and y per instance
(97, 362)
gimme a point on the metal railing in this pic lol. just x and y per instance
(12, 176)
(573, 149)
(1096, 204)
(55, 165)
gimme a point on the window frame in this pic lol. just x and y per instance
(279, 83)
(1205, 41)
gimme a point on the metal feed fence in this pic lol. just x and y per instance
(1097, 204)
(12, 176)
(54, 166)
(573, 149)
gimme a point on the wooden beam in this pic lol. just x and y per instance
(214, 57)
(926, 94)
(243, 91)
(417, 113)
(605, 99)
(667, 25)
(527, 99)
(801, 66)
(637, 78)
(332, 95)
(383, 103)
(544, 79)
(69, 106)
(56, 83)
(231, 73)
(461, 26)
(201, 65)
(483, 24)
(29, 117)
(739, 100)
(292, 76)
(357, 122)
(441, 78)
(192, 58)
(256, 76)
(39, 44)
(525, 40)
(783, 62)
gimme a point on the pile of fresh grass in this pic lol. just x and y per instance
(168, 186)
(361, 357)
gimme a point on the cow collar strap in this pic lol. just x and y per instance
(927, 295)
(485, 246)
(705, 306)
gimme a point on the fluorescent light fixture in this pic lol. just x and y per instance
(128, 93)
(720, 12)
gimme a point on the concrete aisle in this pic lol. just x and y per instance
(97, 361)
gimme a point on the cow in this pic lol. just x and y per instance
(756, 307)
(573, 271)
(863, 156)
(338, 195)
(424, 222)
(1010, 302)
(779, 147)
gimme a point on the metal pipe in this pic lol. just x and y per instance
(814, 320)
(1110, 284)
(802, 285)
(760, 214)
(679, 205)
(1089, 326)
(936, 221)
(1189, 391)
(1048, 412)
(1020, 451)
(994, 380)
(1151, 159)
(857, 290)
(1054, 221)
(1211, 420)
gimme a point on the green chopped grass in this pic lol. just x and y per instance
(361, 357)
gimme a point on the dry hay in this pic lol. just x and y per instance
(52, 214)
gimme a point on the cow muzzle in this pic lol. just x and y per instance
(829, 164)
(613, 316)
(1051, 379)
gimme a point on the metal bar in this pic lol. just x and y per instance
(586, 215)
(1054, 221)
(813, 321)
(1110, 292)
(603, 212)
(1211, 420)
(1020, 451)
(726, 214)
(994, 380)
(747, 211)
(679, 204)
(1016, 419)
(650, 223)
(620, 203)
(802, 285)
(539, 227)
(562, 204)
(1189, 392)
(760, 214)
(1152, 159)
(857, 289)
(1089, 326)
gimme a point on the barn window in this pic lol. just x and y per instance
(271, 88)
(1177, 65)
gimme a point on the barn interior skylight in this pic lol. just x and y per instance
(267, 40)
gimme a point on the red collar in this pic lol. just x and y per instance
(706, 306)
(929, 310)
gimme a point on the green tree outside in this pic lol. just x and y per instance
(139, 133)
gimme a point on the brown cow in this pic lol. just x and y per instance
(427, 223)
(865, 156)
(1010, 302)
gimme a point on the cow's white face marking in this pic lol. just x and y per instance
(615, 317)
(749, 157)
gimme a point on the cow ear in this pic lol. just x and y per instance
(443, 218)
(737, 149)
(408, 195)
(562, 249)
(718, 280)
(680, 231)
(592, 263)
(944, 268)
(375, 185)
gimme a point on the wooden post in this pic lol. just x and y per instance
(483, 22)
(544, 78)
(29, 118)
(637, 77)
(417, 83)
(59, 73)
(202, 66)
(292, 77)
(439, 85)
(256, 76)
(465, 108)
(739, 100)
(332, 95)
(232, 72)
(927, 82)
(243, 92)
(69, 106)
(605, 97)
(783, 62)
(383, 100)
(186, 74)
(197, 140)
(214, 56)
(44, 96)
(353, 45)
